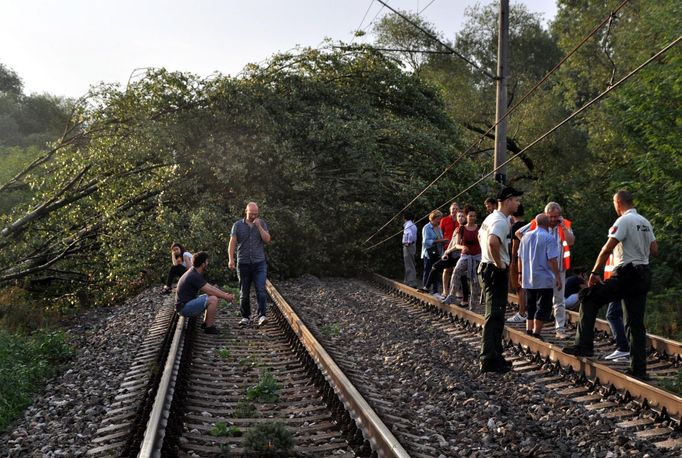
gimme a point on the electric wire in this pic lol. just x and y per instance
(362, 22)
(543, 136)
(506, 114)
(424, 9)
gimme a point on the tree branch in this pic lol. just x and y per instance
(511, 145)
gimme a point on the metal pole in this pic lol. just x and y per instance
(502, 70)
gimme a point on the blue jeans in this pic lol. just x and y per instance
(428, 279)
(195, 307)
(614, 315)
(255, 274)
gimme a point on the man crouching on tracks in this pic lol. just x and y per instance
(631, 239)
(248, 236)
(493, 273)
(188, 304)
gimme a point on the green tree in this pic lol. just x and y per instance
(329, 143)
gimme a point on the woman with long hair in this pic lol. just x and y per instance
(467, 242)
(181, 260)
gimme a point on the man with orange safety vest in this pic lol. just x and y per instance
(560, 229)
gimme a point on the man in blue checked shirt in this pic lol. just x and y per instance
(409, 249)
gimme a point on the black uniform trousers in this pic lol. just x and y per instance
(630, 284)
(495, 284)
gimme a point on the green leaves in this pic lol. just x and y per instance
(267, 389)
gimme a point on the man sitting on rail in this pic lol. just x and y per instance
(188, 304)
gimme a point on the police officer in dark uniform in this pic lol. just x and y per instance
(493, 273)
(631, 240)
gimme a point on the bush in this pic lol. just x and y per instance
(268, 439)
(664, 315)
(25, 362)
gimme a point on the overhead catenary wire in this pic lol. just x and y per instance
(421, 51)
(478, 141)
(362, 22)
(543, 136)
(424, 9)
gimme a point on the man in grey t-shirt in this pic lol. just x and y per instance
(249, 236)
(189, 303)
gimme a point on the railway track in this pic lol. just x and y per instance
(645, 408)
(250, 391)
(192, 394)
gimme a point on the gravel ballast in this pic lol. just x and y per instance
(432, 379)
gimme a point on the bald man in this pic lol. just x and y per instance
(249, 236)
(538, 273)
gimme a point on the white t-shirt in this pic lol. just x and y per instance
(496, 223)
(187, 259)
(635, 235)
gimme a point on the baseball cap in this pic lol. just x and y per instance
(508, 192)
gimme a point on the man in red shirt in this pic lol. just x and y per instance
(449, 225)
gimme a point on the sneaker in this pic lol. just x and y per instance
(422, 290)
(261, 320)
(538, 336)
(450, 299)
(244, 322)
(518, 318)
(165, 290)
(212, 330)
(617, 354)
(438, 296)
(561, 335)
(576, 350)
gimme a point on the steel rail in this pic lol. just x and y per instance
(656, 398)
(660, 344)
(383, 442)
(155, 432)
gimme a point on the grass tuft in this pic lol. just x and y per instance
(267, 389)
(268, 440)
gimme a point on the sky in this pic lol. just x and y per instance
(62, 47)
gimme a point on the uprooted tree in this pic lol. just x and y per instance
(328, 143)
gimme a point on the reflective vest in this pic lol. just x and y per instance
(564, 245)
(608, 268)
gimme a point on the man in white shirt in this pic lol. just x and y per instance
(409, 249)
(631, 240)
(494, 278)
